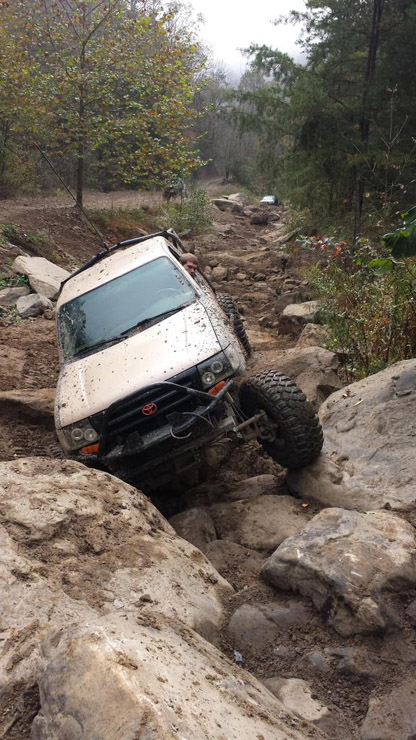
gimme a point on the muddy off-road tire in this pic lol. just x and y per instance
(228, 306)
(299, 436)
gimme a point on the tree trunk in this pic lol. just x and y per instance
(364, 123)
(81, 134)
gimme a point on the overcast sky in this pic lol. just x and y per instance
(233, 24)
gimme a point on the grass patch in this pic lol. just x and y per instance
(191, 214)
(115, 220)
(14, 281)
(9, 233)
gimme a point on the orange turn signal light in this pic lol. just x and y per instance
(89, 450)
(217, 388)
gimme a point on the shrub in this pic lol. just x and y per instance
(192, 213)
(369, 302)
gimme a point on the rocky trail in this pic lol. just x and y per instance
(272, 606)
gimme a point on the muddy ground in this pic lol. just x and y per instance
(30, 359)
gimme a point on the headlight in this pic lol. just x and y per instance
(235, 358)
(215, 369)
(77, 435)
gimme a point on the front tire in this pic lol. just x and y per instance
(298, 437)
(229, 307)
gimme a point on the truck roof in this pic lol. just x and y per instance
(111, 265)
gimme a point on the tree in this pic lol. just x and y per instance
(345, 119)
(115, 87)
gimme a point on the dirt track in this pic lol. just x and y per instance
(32, 362)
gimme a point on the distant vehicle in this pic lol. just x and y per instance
(269, 200)
(149, 356)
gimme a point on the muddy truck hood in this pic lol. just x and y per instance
(91, 384)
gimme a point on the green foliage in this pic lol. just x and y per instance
(370, 308)
(119, 218)
(337, 132)
(402, 242)
(11, 233)
(106, 87)
(15, 281)
(192, 213)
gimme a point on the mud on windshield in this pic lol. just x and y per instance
(131, 302)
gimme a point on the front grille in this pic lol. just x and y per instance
(125, 417)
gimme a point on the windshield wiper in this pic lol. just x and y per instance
(98, 345)
(149, 319)
(122, 335)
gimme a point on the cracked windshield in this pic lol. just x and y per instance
(108, 313)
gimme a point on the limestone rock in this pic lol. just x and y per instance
(251, 488)
(251, 631)
(220, 272)
(196, 526)
(32, 305)
(288, 299)
(287, 237)
(245, 563)
(78, 543)
(349, 564)
(44, 276)
(261, 523)
(357, 661)
(318, 385)
(9, 296)
(313, 368)
(121, 680)
(260, 219)
(300, 360)
(240, 198)
(295, 316)
(255, 627)
(392, 716)
(297, 696)
(313, 335)
(224, 204)
(368, 458)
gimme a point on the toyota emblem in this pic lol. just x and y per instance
(149, 409)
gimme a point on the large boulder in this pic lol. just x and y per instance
(9, 296)
(299, 697)
(368, 459)
(33, 305)
(220, 272)
(78, 544)
(256, 628)
(153, 679)
(313, 368)
(260, 219)
(44, 276)
(194, 525)
(224, 204)
(392, 716)
(314, 335)
(261, 523)
(294, 317)
(240, 198)
(298, 360)
(350, 565)
(243, 563)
